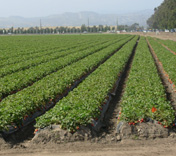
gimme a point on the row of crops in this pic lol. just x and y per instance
(144, 96)
(85, 101)
(167, 59)
(74, 75)
(169, 44)
(8, 67)
(17, 46)
(50, 54)
(55, 79)
(18, 80)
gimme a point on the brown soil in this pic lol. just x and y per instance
(110, 119)
(155, 147)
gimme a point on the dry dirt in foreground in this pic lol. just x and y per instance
(155, 147)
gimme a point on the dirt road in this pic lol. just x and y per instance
(155, 147)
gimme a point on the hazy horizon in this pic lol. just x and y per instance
(42, 8)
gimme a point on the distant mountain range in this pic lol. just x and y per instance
(77, 19)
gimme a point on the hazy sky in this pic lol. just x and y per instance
(38, 8)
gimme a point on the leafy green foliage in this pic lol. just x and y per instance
(50, 54)
(18, 47)
(166, 57)
(164, 16)
(169, 43)
(144, 91)
(27, 101)
(85, 101)
(23, 78)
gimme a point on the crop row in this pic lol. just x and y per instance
(39, 60)
(23, 58)
(27, 45)
(18, 80)
(144, 97)
(20, 46)
(84, 102)
(170, 44)
(167, 59)
(15, 107)
(61, 46)
(44, 56)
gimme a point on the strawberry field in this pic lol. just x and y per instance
(70, 80)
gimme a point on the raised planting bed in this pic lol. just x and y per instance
(17, 108)
(166, 60)
(144, 97)
(14, 82)
(85, 103)
(168, 44)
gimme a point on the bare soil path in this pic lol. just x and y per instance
(155, 147)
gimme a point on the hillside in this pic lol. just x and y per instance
(77, 19)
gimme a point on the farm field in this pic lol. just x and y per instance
(166, 57)
(168, 44)
(70, 81)
(142, 88)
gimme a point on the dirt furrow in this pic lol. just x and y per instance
(110, 120)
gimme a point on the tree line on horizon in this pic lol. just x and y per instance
(64, 29)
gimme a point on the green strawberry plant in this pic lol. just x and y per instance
(144, 95)
(84, 102)
(27, 101)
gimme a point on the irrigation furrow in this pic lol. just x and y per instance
(110, 119)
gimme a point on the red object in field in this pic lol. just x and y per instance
(77, 127)
(154, 109)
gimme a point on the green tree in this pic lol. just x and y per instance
(164, 16)
(83, 28)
